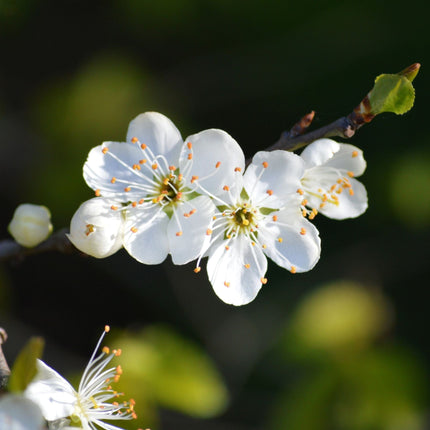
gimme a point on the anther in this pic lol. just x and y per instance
(194, 178)
(189, 145)
(166, 181)
(89, 230)
(180, 177)
(208, 231)
(179, 195)
(293, 269)
(217, 164)
(351, 192)
(322, 205)
(193, 211)
(134, 204)
(237, 169)
(97, 193)
(197, 269)
(134, 140)
(304, 202)
(227, 247)
(225, 188)
(127, 189)
(265, 164)
(302, 231)
(173, 168)
(179, 233)
(350, 174)
(133, 229)
(136, 167)
(105, 349)
(354, 154)
(141, 201)
(107, 329)
(154, 166)
(247, 266)
(275, 218)
(114, 208)
(113, 180)
(227, 284)
(190, 156)
(143, 161)
(264, 246)
(270, 192)
(263, 280)
(105, 150)
(280, 239)
(143, 146)
(300, 191)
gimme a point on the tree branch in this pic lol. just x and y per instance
(10, 250)
(4, 368)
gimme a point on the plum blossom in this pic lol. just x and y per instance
(96, 229)
(328, 184)
(91, 404)
(259, 215)
(163, 185)
(20, 413)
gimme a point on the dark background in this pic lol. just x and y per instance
(74, 73)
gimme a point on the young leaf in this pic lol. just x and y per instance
(24, 367)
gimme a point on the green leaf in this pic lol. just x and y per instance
(391, 93)
(244, 194)
(24, 367)
(267, 211)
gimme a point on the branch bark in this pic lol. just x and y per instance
(4, 368)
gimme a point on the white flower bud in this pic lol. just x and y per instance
(30, 225)
(96, 228)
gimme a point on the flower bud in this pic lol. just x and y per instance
(30, 225)
(96, 228)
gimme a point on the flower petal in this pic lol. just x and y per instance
(319, 152)
(158, 132)
(349, 158)
(291, 241)
(111, 170)
(19, 413)
(51, 392)
(145, 236)
(350, 204)
(96, 228)
(272, 176)
(188, 229)
(216, 157)
(236, 273)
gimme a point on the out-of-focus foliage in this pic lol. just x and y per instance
(345, 379)
(409, 189)
(164, 369)
(24, 367)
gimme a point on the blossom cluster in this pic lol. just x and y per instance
(51, 398)
(157, 194)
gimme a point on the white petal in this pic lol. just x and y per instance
(187, 234)
(349, 205)
(349, 158)
(96, 229)
(291, 241)
(231, 280)
(319, 152)
(145, 237)
(158, 132)
(211, 148)
(280, 178)
(100, 169)
(19, 413)
(51, 392)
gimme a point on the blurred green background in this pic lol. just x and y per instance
(343, 347)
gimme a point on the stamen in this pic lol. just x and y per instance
(127, 189)
(105, 150)
(133, 229)
(265, 164)
(89, 230)
(154, 166)
(113, 180)
(280, 240)
(354, 154)
(197, 269)
(263, 281)
(300, 191)
(134, 140)
(275, 218)
(225, 188)
(143, 161)
(270, 192)
(293, 269)
(143, 146)
(97, 193)
(189, 145)
(227, 284)
(237, 169)
(302, 231)
(247, 266)
(179, 233)
(217, 164)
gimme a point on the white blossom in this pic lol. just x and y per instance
(328, 184)
(96, 228)
(20, 413)
(88, 406)
(163, 185)
(30, 225)
(260, 215)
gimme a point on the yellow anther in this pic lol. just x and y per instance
(245, 221)
(227, 284)
(143, 161)
(293, 269)
(105, 150)
(113, 180)
(105, 349)
(300, 191)
(97, 193)
(217, 164)
(225, 188)
(193, 211)
(165, 181)
(134, 204)
(354, 154)
(237, 169)
(264, 246)
(173, 168)
(134, 140)
(302, 231)
(179, 195)
(265, 164)
(117, 352)
(179, 233)
(275, 218)
(304, 202)
(119, 370)
(154, 166)
(141, 201)
(350, 174)
(351, 192)
(270, 192)
(194, 178)
(180, 177)
(189, 145)
(89, 230)
(197, 269)
(127, 189)
(136, 167)
(133, 229)
(190, 156)
(227, 247)
(247, 266)
(304, 212)
(107, 329)
(263, 281)
(143, 146)
(208, 231)
(280, 240)
(322, 205)
(114, 208)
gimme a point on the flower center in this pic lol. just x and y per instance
(168, 192)
(242, 219)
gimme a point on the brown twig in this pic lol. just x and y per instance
(10, 250)
(4, 368)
